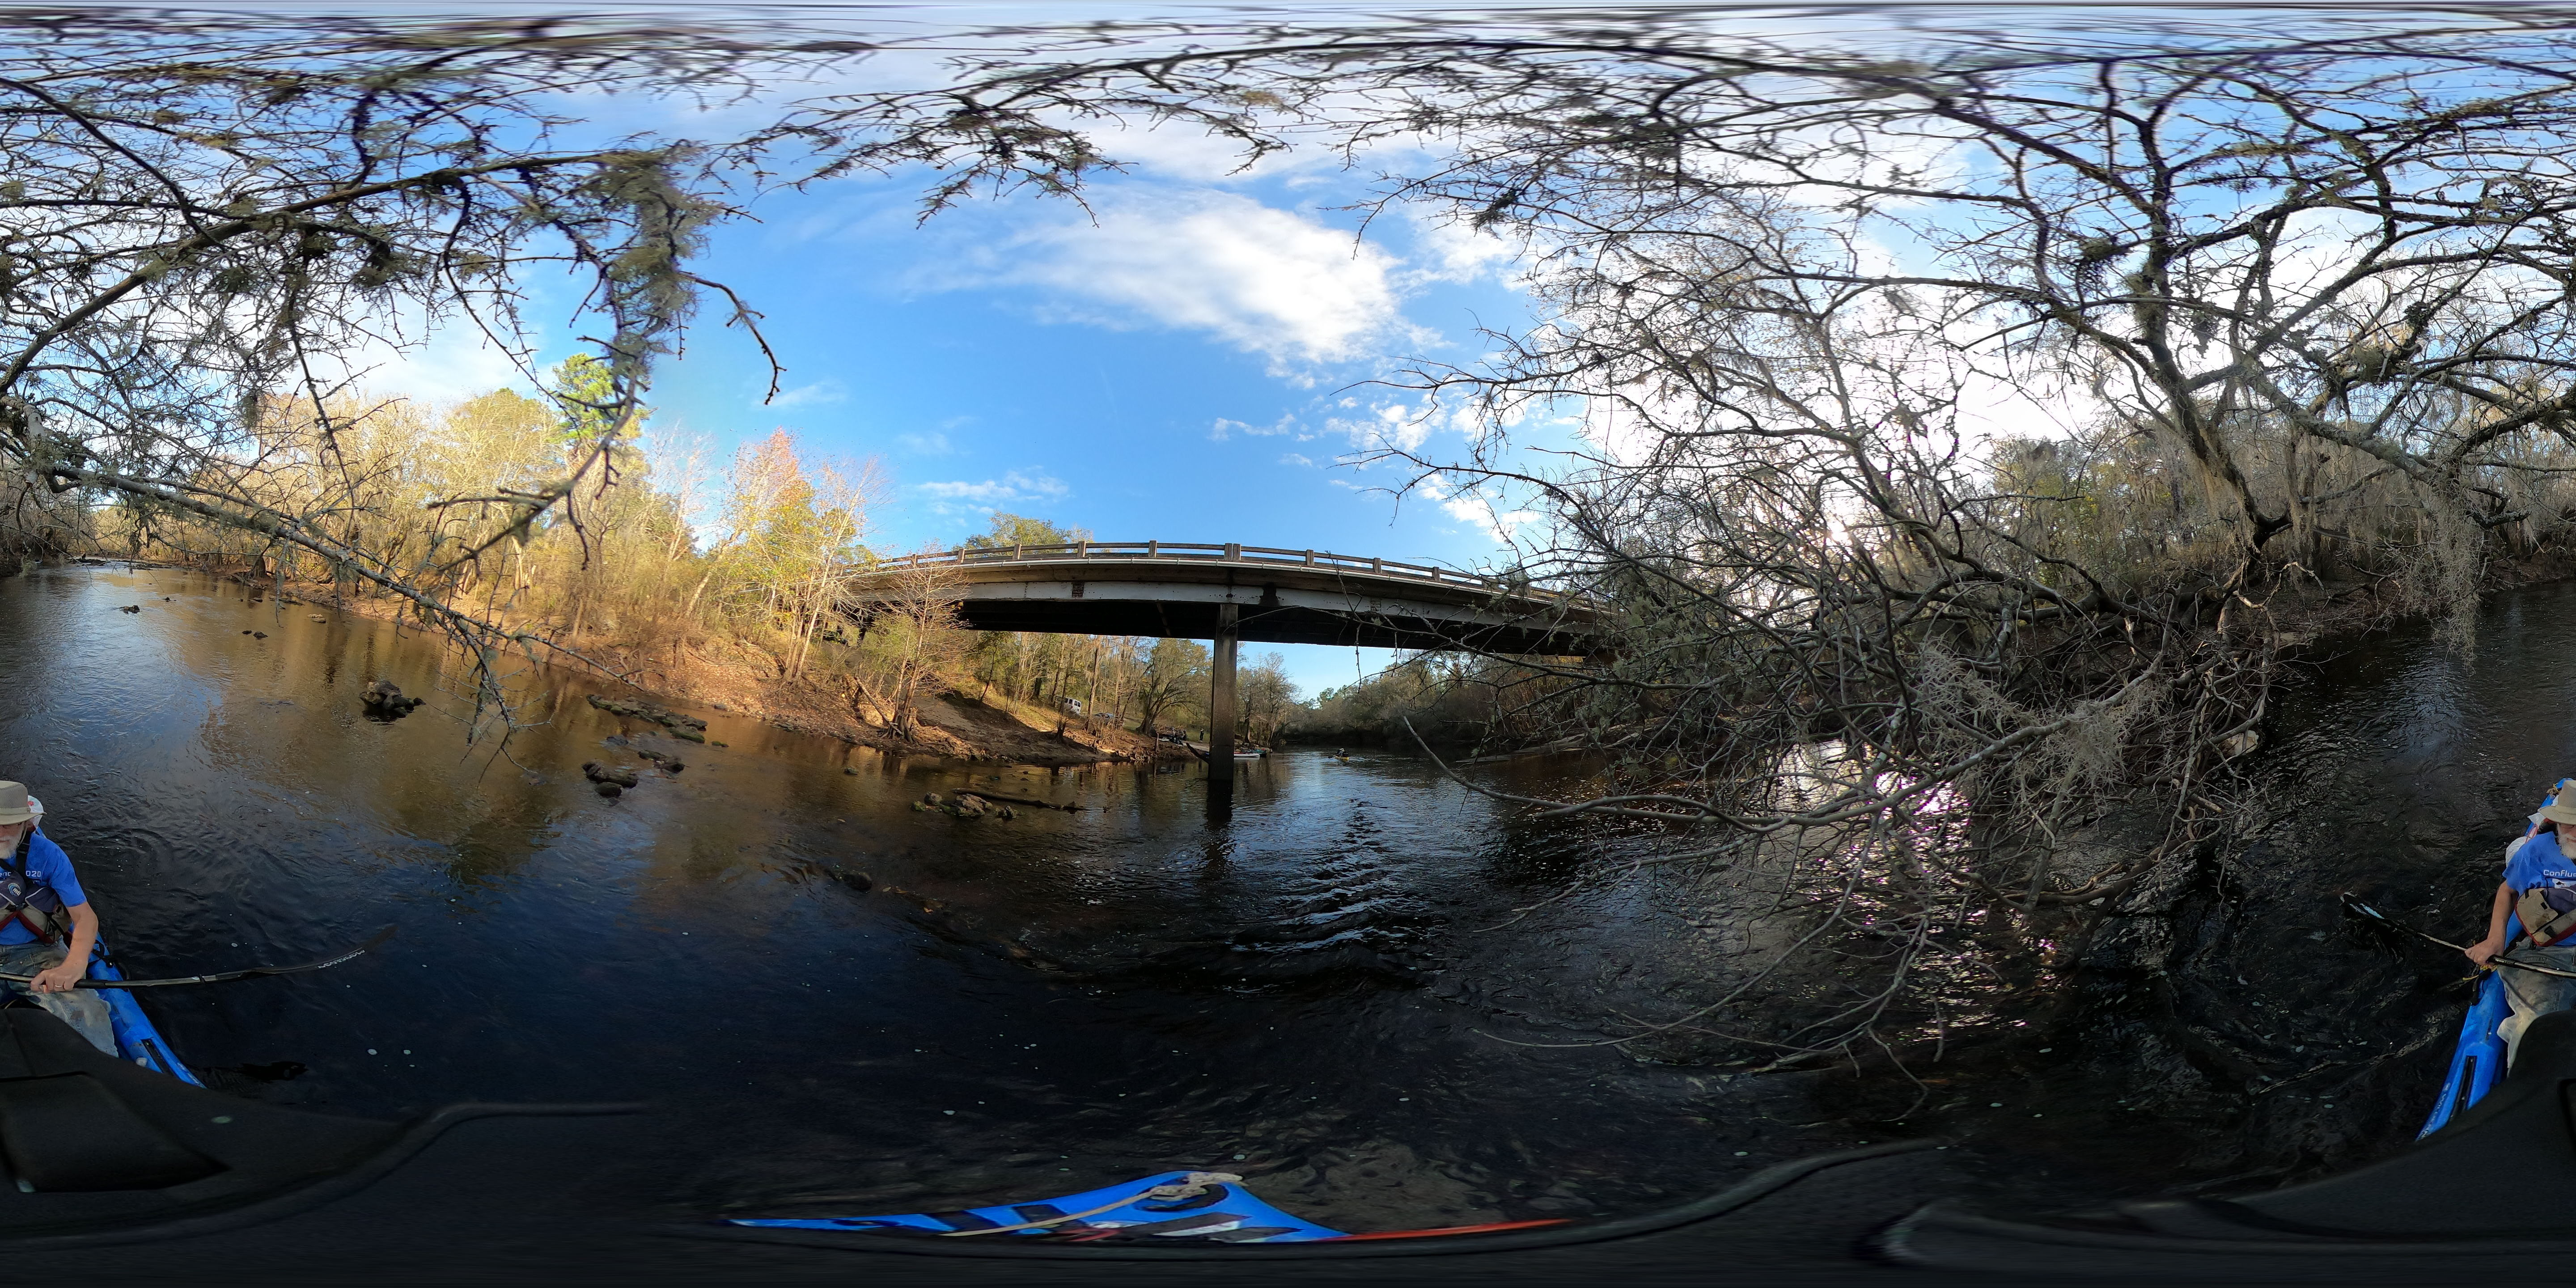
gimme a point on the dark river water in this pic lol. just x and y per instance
(1291, 989)
(1299, 985)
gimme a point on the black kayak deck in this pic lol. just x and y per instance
(139, 1182)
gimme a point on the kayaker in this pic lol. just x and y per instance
(2544, 862)
(47, 927)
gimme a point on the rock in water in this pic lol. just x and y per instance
(611, 790)
(384, 700)
(604, 775)
(131, 608)
(259, 635)
(689, 727)
(317, 617)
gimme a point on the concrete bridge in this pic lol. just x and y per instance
(1231, 593)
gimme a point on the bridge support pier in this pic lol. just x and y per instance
(1221, 698)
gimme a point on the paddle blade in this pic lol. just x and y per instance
(378, 940)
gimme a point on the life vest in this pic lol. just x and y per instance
(26, 899)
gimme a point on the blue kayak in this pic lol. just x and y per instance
(1171, 1205)
(2477, 1062)
(136, 1039)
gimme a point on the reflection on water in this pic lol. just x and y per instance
(1302, 983)
(1287, 984)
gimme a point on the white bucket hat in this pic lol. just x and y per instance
(16, 806)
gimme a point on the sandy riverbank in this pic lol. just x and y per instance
(729, 676)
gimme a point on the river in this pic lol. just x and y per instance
(1303, 984)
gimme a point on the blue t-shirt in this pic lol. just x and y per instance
(46, 862)
(2536, 864)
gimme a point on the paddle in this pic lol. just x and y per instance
(2355, 906)
(219, 977)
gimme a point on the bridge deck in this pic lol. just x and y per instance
(1280, 596)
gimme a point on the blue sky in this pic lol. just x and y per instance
(1185, 362)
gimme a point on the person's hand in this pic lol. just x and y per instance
(57, 979)
(2480, 952)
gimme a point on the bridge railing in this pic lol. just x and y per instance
(1229, 552)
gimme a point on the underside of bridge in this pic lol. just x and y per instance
(1273, 623)
(1230, 598)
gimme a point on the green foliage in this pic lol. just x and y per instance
(1450, 699)
(1264, 699)
(1172, 682)
(1019, 530)
(587, 401)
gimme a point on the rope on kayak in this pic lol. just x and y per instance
(2363, 909)
(1190, 1186)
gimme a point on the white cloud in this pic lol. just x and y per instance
(1457, 252)
(1287, 424)
(1014, 488)
(454, 362)
(826, 390)
(1264, 280)
(1401, 427)
(933, 443)
(1501, 525)
(1298, 459)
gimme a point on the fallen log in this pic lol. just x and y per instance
(1020, 800)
